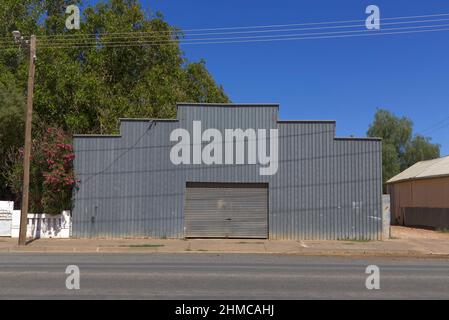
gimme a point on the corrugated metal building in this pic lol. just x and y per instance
(420, 194)
(324, 187)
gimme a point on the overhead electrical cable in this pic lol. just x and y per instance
(261, 26)
(436, 126)
(144, 35)
(137, 38)
(300, 36)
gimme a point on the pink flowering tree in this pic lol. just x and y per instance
(52, 178)
(57, 170)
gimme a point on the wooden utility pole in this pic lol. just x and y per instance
(27, 149)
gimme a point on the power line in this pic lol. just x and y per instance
(66, 37)
(176, 30)
(147, 38)
(144, 35)
(439, 125)
(252, 40)
(304, 36)
(270, 26)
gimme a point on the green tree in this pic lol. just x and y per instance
(85, 89)
(400, 149)
(419, 149)
(12, 105)
(51, 172)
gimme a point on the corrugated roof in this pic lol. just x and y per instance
(424, 169)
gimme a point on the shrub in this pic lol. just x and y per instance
(51, 172)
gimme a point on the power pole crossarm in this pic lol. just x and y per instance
(27, 149)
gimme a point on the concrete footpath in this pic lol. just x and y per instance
(405, 242)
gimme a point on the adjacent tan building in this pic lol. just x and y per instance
(420, 195)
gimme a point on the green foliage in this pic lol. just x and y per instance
(419, 149)
(13, 176)
(57, 170)
(51, 172)
(11, 124)
(20, 15)
(86, 89)
(400, 149)
(391, 165)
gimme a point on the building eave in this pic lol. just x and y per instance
(418, 179)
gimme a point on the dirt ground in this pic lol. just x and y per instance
(405, 242)
(416, 233)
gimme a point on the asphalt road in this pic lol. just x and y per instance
(212, 276)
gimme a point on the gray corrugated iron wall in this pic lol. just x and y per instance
(325, 188)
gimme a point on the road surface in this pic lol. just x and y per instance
(218, 276)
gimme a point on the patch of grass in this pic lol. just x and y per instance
(355, 240)
(143, 245)
(394, 238)
(443, 230)
(246, 242)
(202, 250)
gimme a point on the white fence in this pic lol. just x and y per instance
(39, 225)
(6, 208)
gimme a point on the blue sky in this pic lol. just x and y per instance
(338, 79)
